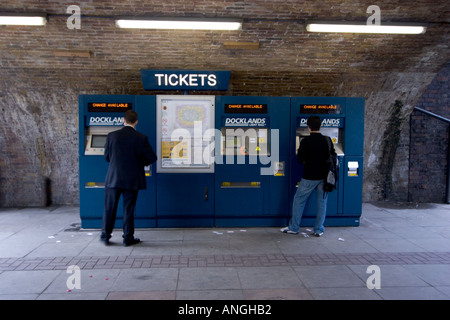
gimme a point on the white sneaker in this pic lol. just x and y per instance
(286, 230)
(318, 234)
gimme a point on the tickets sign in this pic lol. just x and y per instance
(185, 80)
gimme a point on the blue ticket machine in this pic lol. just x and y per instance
(98, 116)
(185, 165)
(343, 122)
(252, 161)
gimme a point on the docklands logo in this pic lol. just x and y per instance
(105, 121)
(332, 122)
(245, 122)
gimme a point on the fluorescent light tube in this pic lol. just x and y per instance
(355, 28)
(22, 20)
(180, 24)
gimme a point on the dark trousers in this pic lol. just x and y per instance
(112, 196)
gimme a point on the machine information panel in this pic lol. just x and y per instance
(246, 108)
(182, 122)
(109, 106)
(321, 108)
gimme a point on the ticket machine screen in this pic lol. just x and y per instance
(96, 139)
(245, 141)
(333, 133)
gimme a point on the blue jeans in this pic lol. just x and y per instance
(304, 190)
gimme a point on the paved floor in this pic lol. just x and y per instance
(404, 250)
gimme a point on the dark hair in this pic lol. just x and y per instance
(314, 123)
(131, 116)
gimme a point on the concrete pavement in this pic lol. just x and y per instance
(410, 246)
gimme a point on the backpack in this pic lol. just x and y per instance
(330, 182)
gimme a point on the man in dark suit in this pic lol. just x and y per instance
(127, 152)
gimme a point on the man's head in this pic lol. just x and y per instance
(314, 123)
(130, 117)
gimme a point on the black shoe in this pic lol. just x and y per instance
(105, 241)
(127, 243)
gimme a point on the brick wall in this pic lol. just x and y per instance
(39, 90)
(429, 142)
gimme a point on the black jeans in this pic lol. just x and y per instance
(112, 196)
